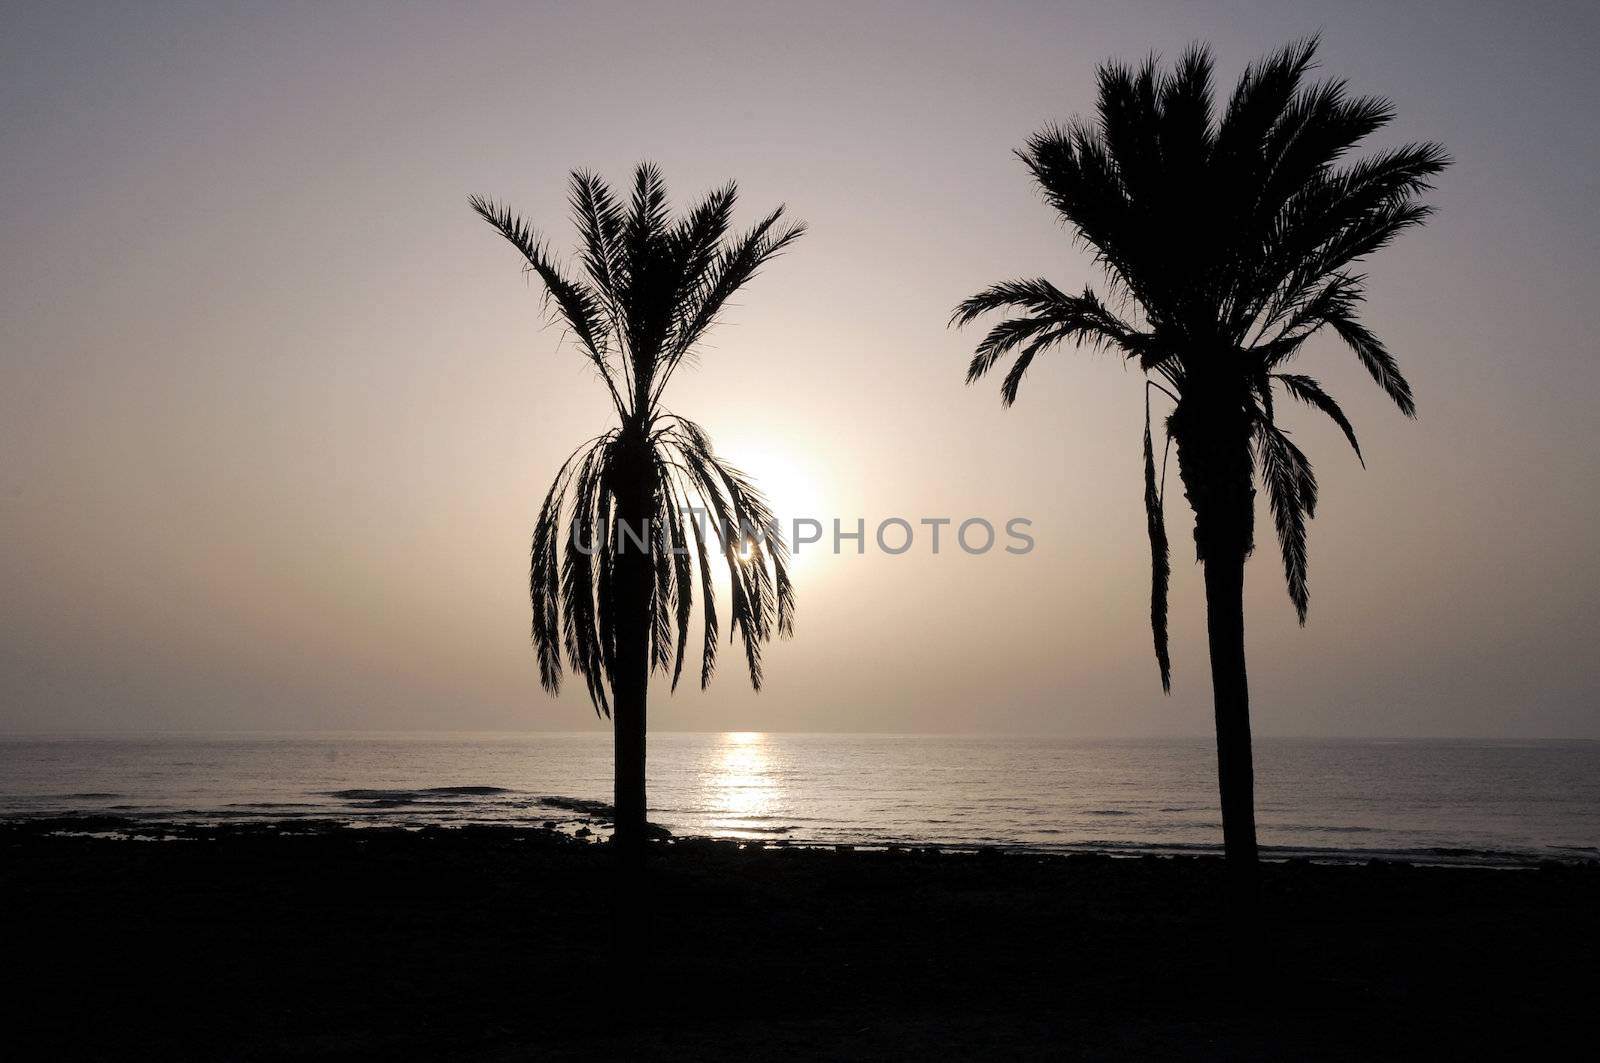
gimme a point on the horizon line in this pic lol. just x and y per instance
(434, 731)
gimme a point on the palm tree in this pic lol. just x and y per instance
(616, 591)
(1226, 243)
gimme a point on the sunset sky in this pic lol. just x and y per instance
(276, 409)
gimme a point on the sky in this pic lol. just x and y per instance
(277, 410)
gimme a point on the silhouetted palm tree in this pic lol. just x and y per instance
(617, 589)
(1226, 243)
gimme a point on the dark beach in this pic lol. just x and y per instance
(252, 942)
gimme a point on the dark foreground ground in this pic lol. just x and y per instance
(496, 944)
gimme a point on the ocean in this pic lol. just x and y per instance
(1430, 801)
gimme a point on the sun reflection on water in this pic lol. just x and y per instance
(739, 784)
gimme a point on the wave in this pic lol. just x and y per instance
(422, 794)
(273, 804)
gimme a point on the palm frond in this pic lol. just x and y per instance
(1310, 392)
(665, 585)
(1257, 104)
(694, 243)
(599, 219)
(1084, 183)
(734, 266)
(700, 519)
(1183, 113)
(1160, 565)
(1334, 219)
(1377, 360)
(588, 542)
(1054, 317)
(761, 594)
(544, 573)
(579, 306)
(673, 514)
(1292, 495)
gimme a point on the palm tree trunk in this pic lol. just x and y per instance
(628, 720)
(1215, 461)
(633, 590)
(635, 582)
(1231, 696)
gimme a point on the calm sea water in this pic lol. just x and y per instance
(1479, 801)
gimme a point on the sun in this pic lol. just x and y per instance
(791, 486)
(794, 490)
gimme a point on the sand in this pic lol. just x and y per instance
(496, 943)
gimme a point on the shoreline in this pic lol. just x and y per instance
(596, 828)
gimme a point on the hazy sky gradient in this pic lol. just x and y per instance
(277, 409)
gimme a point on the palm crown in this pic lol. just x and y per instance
(651, 288)
(1226, 242)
